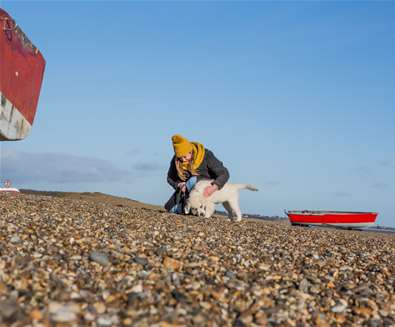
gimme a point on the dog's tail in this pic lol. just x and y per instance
(247, 187)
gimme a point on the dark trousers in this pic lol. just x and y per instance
(177, 201)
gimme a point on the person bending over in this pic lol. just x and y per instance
(190, 163)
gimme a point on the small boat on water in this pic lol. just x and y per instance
(344, 219)
(21, 74)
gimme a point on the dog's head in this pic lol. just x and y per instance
(195, 205)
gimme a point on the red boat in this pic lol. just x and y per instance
(21, 74)
(343, 219)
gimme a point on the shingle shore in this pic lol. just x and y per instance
(70, 262)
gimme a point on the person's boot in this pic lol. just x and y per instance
(171, 202)
(174, 200)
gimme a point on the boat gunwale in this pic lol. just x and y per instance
(323, 212)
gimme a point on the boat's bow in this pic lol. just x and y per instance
(21, 74)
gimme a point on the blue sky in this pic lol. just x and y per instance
(295, 97)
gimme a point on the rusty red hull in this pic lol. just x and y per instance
(333, 218)
(21, 74)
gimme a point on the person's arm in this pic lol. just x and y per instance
(218, 169)
(172, 175)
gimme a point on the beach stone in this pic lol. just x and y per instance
(321, 321)
(162, 251)
(15, 239)
(36, 315)
(63, 312)
(340, 307)
(304, 285)
(100, 308)
(8, 310)
(230, 274)
(135, 297)
(141, 261)
(89, 316)
(100, 258)
(264, 267)
(137, 288)
(104, 321)
(172, 264)
(374, 323)
(178, 296)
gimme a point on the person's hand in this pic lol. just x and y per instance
(209, 190)
(182, 186)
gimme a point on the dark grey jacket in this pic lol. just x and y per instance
(210, 168)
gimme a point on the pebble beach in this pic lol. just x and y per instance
(75, 262)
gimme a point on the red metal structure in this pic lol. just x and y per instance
(21, 74)
(332, 218)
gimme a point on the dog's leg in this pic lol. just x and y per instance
(228, 208)
(210, 208)
(234, 204)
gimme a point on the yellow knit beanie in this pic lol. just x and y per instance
(181, 145)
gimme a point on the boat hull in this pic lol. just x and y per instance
(21, 75)
(333, 218)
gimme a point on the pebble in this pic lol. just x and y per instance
(63, 312)
(230, 274)
(8, 310)
(15, 239)
(141, 261)
(137, 288)
(100, 258)
(172, 264)
(104, 321)
(340, 307)
(304, 285)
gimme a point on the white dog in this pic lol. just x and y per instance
(228, 196)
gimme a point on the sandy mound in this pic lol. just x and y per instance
(74, 260)
(96, 197)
